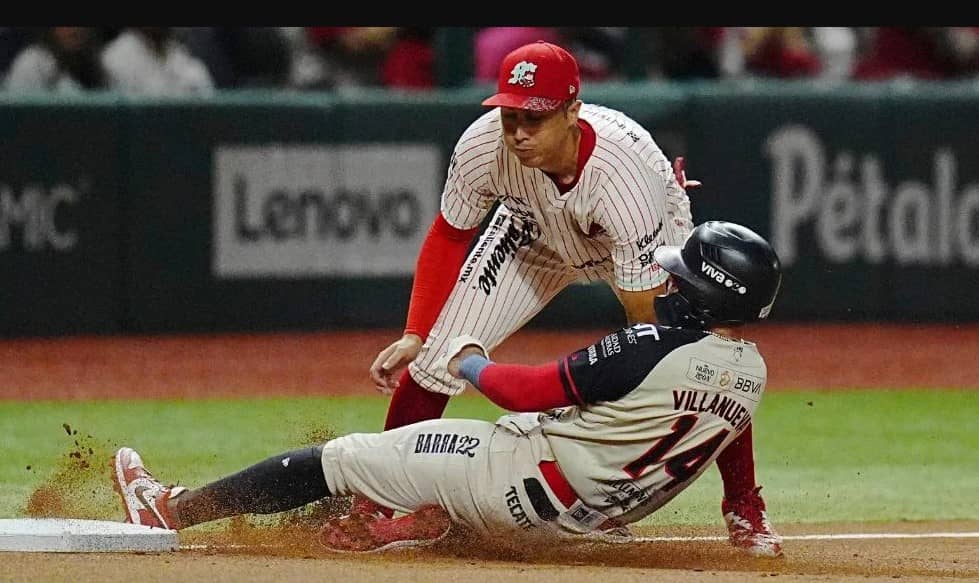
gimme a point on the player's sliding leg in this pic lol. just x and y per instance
(277, 484)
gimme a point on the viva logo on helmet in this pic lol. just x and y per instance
(720, 277)
(523, 74)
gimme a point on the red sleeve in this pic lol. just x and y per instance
(439, 262)
(519, 387)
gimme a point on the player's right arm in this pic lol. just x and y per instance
(442, 252)
(464, 204)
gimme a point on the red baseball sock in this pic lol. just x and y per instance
(411, 404)
(737, 466)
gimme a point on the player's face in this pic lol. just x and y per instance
(535, 137)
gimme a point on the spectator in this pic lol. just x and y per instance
(493, 43)
(783, 52)
(13, 39)
(307, 69)
(919, 52)
(837, 50)
(239, 57)
(683, 52)
(962, 43)
(351, 56)
(600, 51)
(730, 51)
(410, 64)
(149, 61)
(64, 59)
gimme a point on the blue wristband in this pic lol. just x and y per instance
(472, 366)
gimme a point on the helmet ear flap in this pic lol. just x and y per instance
(675, 310)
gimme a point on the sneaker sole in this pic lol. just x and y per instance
(759, 552)
(764, 554)
(119, 485)
(391, 546)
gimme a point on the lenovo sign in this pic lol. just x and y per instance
(303, 211)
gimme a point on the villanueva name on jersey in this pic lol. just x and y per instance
(725, 407)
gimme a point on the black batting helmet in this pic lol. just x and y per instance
(725, 274)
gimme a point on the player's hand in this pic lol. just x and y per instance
(679, 170)
(456, 349)
(392, 360)
(456, 361)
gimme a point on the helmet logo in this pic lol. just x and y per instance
(720, 277)
(523, 74)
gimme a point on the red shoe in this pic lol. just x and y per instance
(144, 497)
(748, 526)
(367, 533)
(363, 505)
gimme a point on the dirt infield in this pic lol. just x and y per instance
(799, 357)
(819, 357)
(456, 560)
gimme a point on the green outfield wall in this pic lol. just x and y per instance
(273, 211)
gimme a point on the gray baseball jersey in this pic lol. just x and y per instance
(655, 406)
(625, 203)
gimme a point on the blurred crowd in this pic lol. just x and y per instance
(174, 61)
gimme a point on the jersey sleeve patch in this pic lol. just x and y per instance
(615, 365)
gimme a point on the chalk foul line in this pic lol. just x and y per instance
(659, 539)
(847, 536)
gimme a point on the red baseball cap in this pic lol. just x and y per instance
(537, 77)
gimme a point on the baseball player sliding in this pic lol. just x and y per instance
(585, 194)
(630, 422)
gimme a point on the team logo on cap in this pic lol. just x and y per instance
(523, 74)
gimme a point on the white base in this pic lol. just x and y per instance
(72, 535)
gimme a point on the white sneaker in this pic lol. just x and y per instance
(144, 497)
(748, 527)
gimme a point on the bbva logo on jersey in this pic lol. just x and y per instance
(715, 375)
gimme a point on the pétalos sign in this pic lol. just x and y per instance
(855, 215)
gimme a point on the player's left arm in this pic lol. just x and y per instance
(634, 236)
(639, 306)
(638, 215)
(604, 371)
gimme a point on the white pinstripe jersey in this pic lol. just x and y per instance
(656, 405)
(626, 203)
